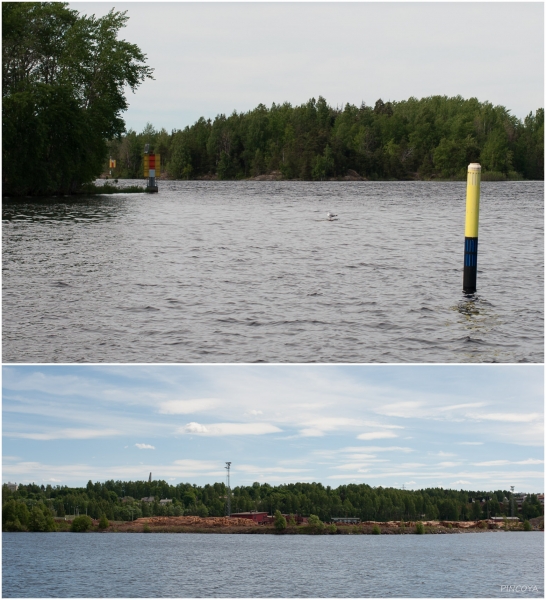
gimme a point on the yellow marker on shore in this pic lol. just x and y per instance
(471, 228)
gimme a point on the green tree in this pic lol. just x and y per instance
(477, 512)
(527, 526)
(38, 521)
(419, 528)
(314, 521)
(103, 523)
(81, 524)
(64, 81)
(279, 521)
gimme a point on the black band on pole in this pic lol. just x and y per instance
(470, 265)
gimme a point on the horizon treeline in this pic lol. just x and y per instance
(434, 137)
(122, 501)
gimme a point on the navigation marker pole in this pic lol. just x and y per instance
(152, 164)
(471, 228)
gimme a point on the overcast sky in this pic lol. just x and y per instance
(471, 427)
(212, 58)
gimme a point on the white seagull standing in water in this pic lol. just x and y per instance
(331, 216)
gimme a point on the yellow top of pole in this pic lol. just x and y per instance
(473, 200)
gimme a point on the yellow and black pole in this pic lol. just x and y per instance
(471, 228)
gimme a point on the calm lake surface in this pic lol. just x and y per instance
(259, 566)
(253, 271)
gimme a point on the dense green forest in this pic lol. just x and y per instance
(435, 137)
(64, 79)
(34, 506)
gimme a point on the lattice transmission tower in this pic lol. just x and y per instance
(228, 495)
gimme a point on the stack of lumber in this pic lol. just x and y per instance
(196, 521)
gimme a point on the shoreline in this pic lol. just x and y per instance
(219, 525)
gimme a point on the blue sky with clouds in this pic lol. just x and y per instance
(473, 427)
(211, 58)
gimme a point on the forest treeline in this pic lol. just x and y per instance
(64, 83)
(434, 137)
(34, 506)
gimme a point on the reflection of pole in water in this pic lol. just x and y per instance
(471, 228)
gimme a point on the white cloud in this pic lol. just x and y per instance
(65, 434)
(376, 449)
(508, 417)
(311, 432)
(145, 447)
(188, 407)
(442, 453)
(193, 428)
(495, 463)
(219, 429)
(459, 406)
(376, 435)
(470, 443)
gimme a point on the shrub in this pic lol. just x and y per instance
(332, 528)
(103, 523)
(38, 521)
(14, 525)
(314, 521)
(527, 526)
(280, 521)
(81, 523)
(376, 530)
(146, 528)
(419, 528)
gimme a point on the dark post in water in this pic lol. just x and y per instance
(471, 228)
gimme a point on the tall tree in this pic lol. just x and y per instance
(64, 79)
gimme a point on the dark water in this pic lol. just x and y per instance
(258, 566)
(253, 271)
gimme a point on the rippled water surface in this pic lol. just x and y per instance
(259, 566)
(253, 271)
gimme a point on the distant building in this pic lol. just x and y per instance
(12, 486)
(257, 517)
(347, 520)
(148, 499)
(165, 501)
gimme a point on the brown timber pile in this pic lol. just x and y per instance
(195, 522)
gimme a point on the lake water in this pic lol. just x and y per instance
(259, 566)
(253, 271)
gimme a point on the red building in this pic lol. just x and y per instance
(253, 515)
(263, 518)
